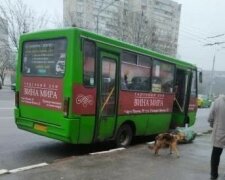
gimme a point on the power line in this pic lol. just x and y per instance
(206, 37)
(205, 41)
(197, 30)
(194, 36)
(215, 43)
(216, 36)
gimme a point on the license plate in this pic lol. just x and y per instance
(40, 127)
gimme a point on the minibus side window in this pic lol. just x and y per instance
(89, 63)
(162, 77)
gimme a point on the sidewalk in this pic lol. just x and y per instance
(134, 163)
(201, 125)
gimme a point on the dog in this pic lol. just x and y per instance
(168, 139)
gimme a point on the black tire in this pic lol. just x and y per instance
(124, 136)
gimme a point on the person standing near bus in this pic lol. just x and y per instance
(217, 122)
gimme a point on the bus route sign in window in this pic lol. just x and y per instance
(44, 58)
(162, 77)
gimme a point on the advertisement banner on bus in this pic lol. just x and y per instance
(136, 103)
(42, 92)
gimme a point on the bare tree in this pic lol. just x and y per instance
(141, 30)
(164, 41)
(17, 18)
(69, 19)
(133, 27)
(118, 22)
(76, 17)
(5, 64)
(136, 28)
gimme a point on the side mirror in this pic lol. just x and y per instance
(200, 77)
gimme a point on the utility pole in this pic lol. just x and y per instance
(212, 77)
(217, 43)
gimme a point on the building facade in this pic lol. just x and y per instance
(152, 24)
(166, 21)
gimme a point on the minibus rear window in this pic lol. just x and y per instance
(44, 58)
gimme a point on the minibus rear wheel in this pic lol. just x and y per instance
(124, 136)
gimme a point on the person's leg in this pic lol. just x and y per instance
(215, 160)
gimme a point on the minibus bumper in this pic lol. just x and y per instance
(67, 131)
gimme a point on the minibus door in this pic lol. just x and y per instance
(106, 96)
(182, 99)
(187, 100)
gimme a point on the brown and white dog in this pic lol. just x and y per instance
(167, 139)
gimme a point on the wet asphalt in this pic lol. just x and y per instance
(136, 162)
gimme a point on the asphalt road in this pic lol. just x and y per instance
(135, 162)
(19, 148)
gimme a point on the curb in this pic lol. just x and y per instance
(209, 131)
(5, 171)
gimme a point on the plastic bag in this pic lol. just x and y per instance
(188, 132)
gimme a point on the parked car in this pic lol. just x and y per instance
(13, 86)
(0, 85)
(204, 101)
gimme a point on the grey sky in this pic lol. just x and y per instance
(199, 19)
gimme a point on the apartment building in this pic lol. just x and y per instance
(166, 15)
(152, 24)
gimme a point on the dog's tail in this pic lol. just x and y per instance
(151, 146)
